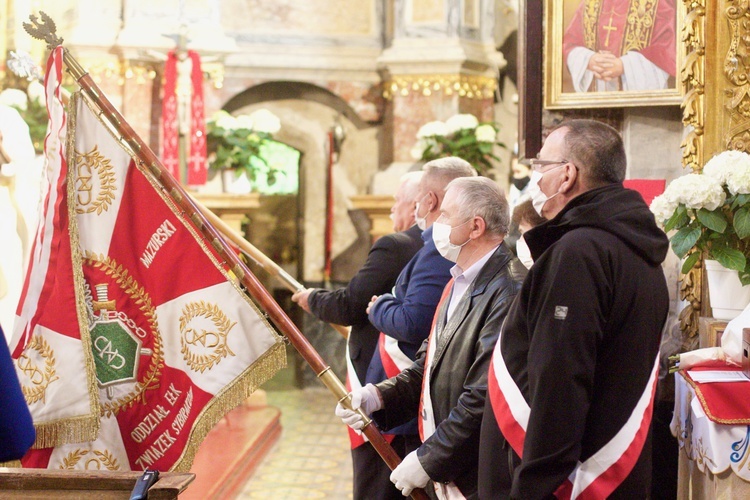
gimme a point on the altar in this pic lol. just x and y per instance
(714, 460)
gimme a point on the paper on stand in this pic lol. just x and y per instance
(707, 376)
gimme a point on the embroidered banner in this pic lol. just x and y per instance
(175, 342)
(49, 344)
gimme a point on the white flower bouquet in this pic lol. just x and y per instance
(461, 135)
(710, 212)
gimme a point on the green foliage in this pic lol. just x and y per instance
(238, 149)
(464, 144)
(723, 234)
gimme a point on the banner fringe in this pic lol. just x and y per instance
(67, 430)
(262, 370)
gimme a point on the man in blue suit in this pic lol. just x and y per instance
(404, 316)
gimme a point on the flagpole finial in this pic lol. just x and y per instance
(43, 29)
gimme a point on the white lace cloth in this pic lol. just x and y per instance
(711, 446)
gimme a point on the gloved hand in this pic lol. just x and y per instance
(409, 474)
(368, 398)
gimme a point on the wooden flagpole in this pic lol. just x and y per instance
(149, 163)
(259, 257)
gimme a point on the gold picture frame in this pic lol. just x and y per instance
(559, 89)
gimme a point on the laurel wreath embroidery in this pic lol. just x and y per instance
(203, 362)
(37, 393)
(140, 297)
(104, 457)
(104, 169)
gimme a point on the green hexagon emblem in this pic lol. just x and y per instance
(116, 352)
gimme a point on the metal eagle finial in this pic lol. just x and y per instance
(43, 30)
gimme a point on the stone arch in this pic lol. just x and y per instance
(307, 112)
(279, 90)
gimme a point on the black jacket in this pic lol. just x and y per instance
(346, 306)
(458, 382)
(580, 343)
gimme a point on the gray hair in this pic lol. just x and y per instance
(409, 184)
(597, 149)
(438, 173)
(482, 197)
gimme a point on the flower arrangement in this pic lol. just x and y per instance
(461, 135)
(235, 142)
(711, 213)
(31, 105)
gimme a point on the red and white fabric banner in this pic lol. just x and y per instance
(603, 471)
(175, 342)
(184, 113)
(49, 343)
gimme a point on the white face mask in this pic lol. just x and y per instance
(421, 221)
(523, 253)
(441, 235)
(538, 198)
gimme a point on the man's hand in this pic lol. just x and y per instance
(368, 398)
(409, 474)
(372, 303)
(300, 297)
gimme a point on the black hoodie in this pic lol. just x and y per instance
(580, 343)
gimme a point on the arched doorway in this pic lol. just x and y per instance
(292, 227)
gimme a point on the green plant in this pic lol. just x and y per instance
(236, 142)
(461, 135)
(710, 213)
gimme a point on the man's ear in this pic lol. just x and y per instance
(478, 226)
(434, 201)
(571, 178)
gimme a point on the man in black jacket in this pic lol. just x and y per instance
(347, 306)
(454, 360)
(573, 374)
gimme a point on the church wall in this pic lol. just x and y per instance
(652, 138)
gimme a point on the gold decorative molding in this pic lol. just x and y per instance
(716, 108)
(471, 86)
(737, 71)
(693, 81)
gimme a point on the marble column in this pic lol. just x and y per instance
(441, 61)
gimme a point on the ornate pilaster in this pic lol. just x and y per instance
(716, 108)
(442, 61)
(693, 81)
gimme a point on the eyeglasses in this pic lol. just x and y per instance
(537, 165)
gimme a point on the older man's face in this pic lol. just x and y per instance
(402, 211)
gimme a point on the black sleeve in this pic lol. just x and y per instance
(458, 433)
(346, 306)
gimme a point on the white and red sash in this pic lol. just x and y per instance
(426, 418)
(394, 361)
(603, 471)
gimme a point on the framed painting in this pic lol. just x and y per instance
(612, 53)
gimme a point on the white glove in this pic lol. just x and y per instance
(368, 398)
(409, 474)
